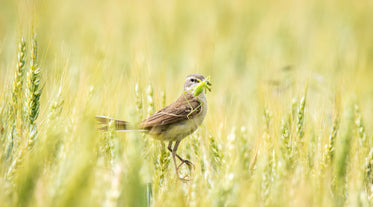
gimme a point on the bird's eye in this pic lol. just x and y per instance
(193, 80)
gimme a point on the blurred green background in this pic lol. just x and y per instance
(260, 56)
(240, 44)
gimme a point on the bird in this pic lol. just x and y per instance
(174, 122)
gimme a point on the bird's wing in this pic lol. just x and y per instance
(185, 107)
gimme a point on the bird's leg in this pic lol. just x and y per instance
(181, 159)
(173, 157)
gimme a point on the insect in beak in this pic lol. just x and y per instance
(202, 85)
(208, 84)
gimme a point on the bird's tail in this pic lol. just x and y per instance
(118, 124)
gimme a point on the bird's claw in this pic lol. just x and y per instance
(190, 166)
(187, 162)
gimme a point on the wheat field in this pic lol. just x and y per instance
(289, 119)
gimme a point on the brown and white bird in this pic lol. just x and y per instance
(174, 122)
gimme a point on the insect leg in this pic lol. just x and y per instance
(193, 110)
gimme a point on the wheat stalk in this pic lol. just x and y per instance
(33, 93)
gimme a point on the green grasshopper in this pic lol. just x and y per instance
(203, 85)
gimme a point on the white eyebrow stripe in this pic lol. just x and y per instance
(191, 77)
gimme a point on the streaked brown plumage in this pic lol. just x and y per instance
(177, 111)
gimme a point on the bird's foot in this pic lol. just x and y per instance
(190, 166)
